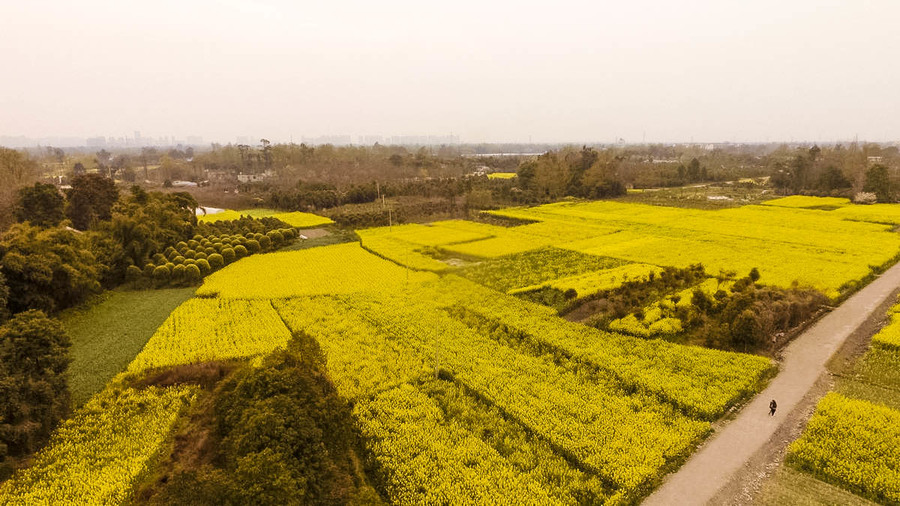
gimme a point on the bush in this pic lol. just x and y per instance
(240, 251)
(204, 266)
(148, 270)
(133, 273)
(276, 237)
(178, 260)
(229, 255)
(265, 242)
(178, 273)
(200, 256)
(253, 246)
(192, 273)
(216, 261)
(161, 274)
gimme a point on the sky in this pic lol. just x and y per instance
(486, 71)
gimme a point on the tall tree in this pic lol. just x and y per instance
(47, 269)
(34, 394)
(879, 183)
(16, 170)
(41, 204)
(90, 200)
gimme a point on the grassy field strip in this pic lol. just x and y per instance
(108, 335)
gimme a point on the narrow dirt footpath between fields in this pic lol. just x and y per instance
(733, 447)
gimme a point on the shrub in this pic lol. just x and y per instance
(161, 274)
(178, 272)
(240, 251)
(133, 273)
(178, 260)
(193, 244)
(148, 270)
(865, 198)
(192, 272)
(216, 261)
(276, 237)
(229, 255)
(200, 256)
(204, 267)
(265, 242)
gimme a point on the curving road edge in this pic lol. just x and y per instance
(713, 465)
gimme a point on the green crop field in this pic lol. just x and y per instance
(106, 336)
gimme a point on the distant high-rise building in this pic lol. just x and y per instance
(96, 142)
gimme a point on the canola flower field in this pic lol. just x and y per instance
(96, 456)
(853, 438)
(295, 219)
(466, 393)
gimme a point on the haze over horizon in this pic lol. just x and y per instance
(711, 71)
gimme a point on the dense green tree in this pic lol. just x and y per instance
(16, 170)
(41, 205)
(91, 200)
(34, 395)
(879, 183)
(4, 297)
(47, 269)
(142, 225)
(286, 438)
(832, 179)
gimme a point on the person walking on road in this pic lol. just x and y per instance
(772, 407)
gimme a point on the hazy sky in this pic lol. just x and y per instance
(717, 70)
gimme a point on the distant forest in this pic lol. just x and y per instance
(449, 180)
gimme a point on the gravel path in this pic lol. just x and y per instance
(803, 364)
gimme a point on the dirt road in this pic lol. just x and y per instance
(804, 360)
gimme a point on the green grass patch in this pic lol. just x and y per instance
(875, 378)
(109, 333)
(793, 487)
(876, 394)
